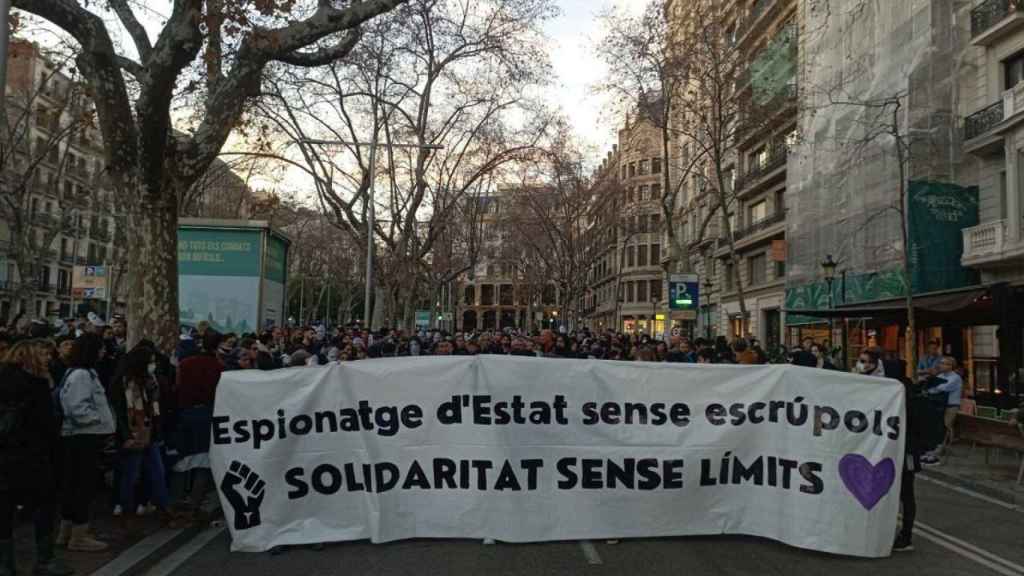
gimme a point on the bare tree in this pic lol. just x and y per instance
(647, 75)
(432, 74)
(43, 116)
(211, 56)
(550, 215)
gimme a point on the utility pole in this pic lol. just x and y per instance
(370, 224)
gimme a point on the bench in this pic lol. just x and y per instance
(992, 433)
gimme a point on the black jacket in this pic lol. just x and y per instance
(29, 425)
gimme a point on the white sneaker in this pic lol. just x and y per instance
(488, 541)
(117, 510)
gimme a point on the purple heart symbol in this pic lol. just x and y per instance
(867, 483)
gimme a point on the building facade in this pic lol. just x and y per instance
(67, 214)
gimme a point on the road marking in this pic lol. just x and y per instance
(969, 492)
(590, 552)
(174, 561)
(143, 548)
(968, 550)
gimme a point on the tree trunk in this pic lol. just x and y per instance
(153, 288)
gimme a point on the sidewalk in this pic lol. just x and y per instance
(117, 534)
(967, 467)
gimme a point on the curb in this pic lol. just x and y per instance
(148, 552)
(1007, 496)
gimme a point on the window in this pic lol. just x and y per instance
(655, 165)
(622, 259)
(641, 255)
(632, 169)
(69, 189)
(623, 175)
(643, 196)
(641, 291)
(656, 192)
(655, 222)
(780, 269)
(655, 253)
(49, 207)
(630, 256)
(656, 290)
(757, 212)
(629, 195)
(1013, 70)
(758, 269)
(642, 224)
(630, 292)
(643, 167)
(35, 206)
(729, 279)
(780, 202)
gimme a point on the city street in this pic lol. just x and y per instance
(958, 533)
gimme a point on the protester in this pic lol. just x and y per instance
(135, 401)
(928, 365)
(197, 381)
(949, 385)
(87, 422)
(28, 454)
(743, 353)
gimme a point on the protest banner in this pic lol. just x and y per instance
(525, 450)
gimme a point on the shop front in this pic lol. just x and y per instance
(980, 326)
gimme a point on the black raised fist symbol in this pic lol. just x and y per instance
(243, 488)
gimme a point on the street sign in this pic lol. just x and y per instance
(683, 292)
(423, 319)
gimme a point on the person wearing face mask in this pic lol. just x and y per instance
(136, 406)
(870, 363)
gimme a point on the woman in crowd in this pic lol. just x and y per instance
(88, 421)
(28, 453)
(198, 377)
(135, 399)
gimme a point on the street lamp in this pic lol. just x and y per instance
(828, 269)
(708, 285)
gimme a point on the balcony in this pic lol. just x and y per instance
(101, 234)
(755, 229)
(993, 20)
(989, 244)
(45, 219)
(775, 160)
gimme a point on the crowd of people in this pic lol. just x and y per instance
(74, 399)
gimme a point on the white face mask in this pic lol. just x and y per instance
(152, 368)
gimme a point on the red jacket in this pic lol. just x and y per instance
(197, 381)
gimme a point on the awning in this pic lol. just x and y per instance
(969, 306)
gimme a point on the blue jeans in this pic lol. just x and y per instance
(132, 462)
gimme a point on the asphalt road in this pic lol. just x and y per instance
(958, 534)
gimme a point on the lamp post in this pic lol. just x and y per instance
(828, 270)
(708, 285)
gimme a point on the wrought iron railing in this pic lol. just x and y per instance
(983, 120)
(776, 158)
(759, 226)
(991, 12)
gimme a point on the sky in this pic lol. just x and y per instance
(577, 68)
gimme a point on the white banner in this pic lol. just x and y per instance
(525, 450)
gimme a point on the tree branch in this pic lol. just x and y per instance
(324, 56)
(135, 29)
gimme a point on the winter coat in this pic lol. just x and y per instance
(84, 403)
(27, 423)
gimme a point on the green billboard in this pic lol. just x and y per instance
(230, 274)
